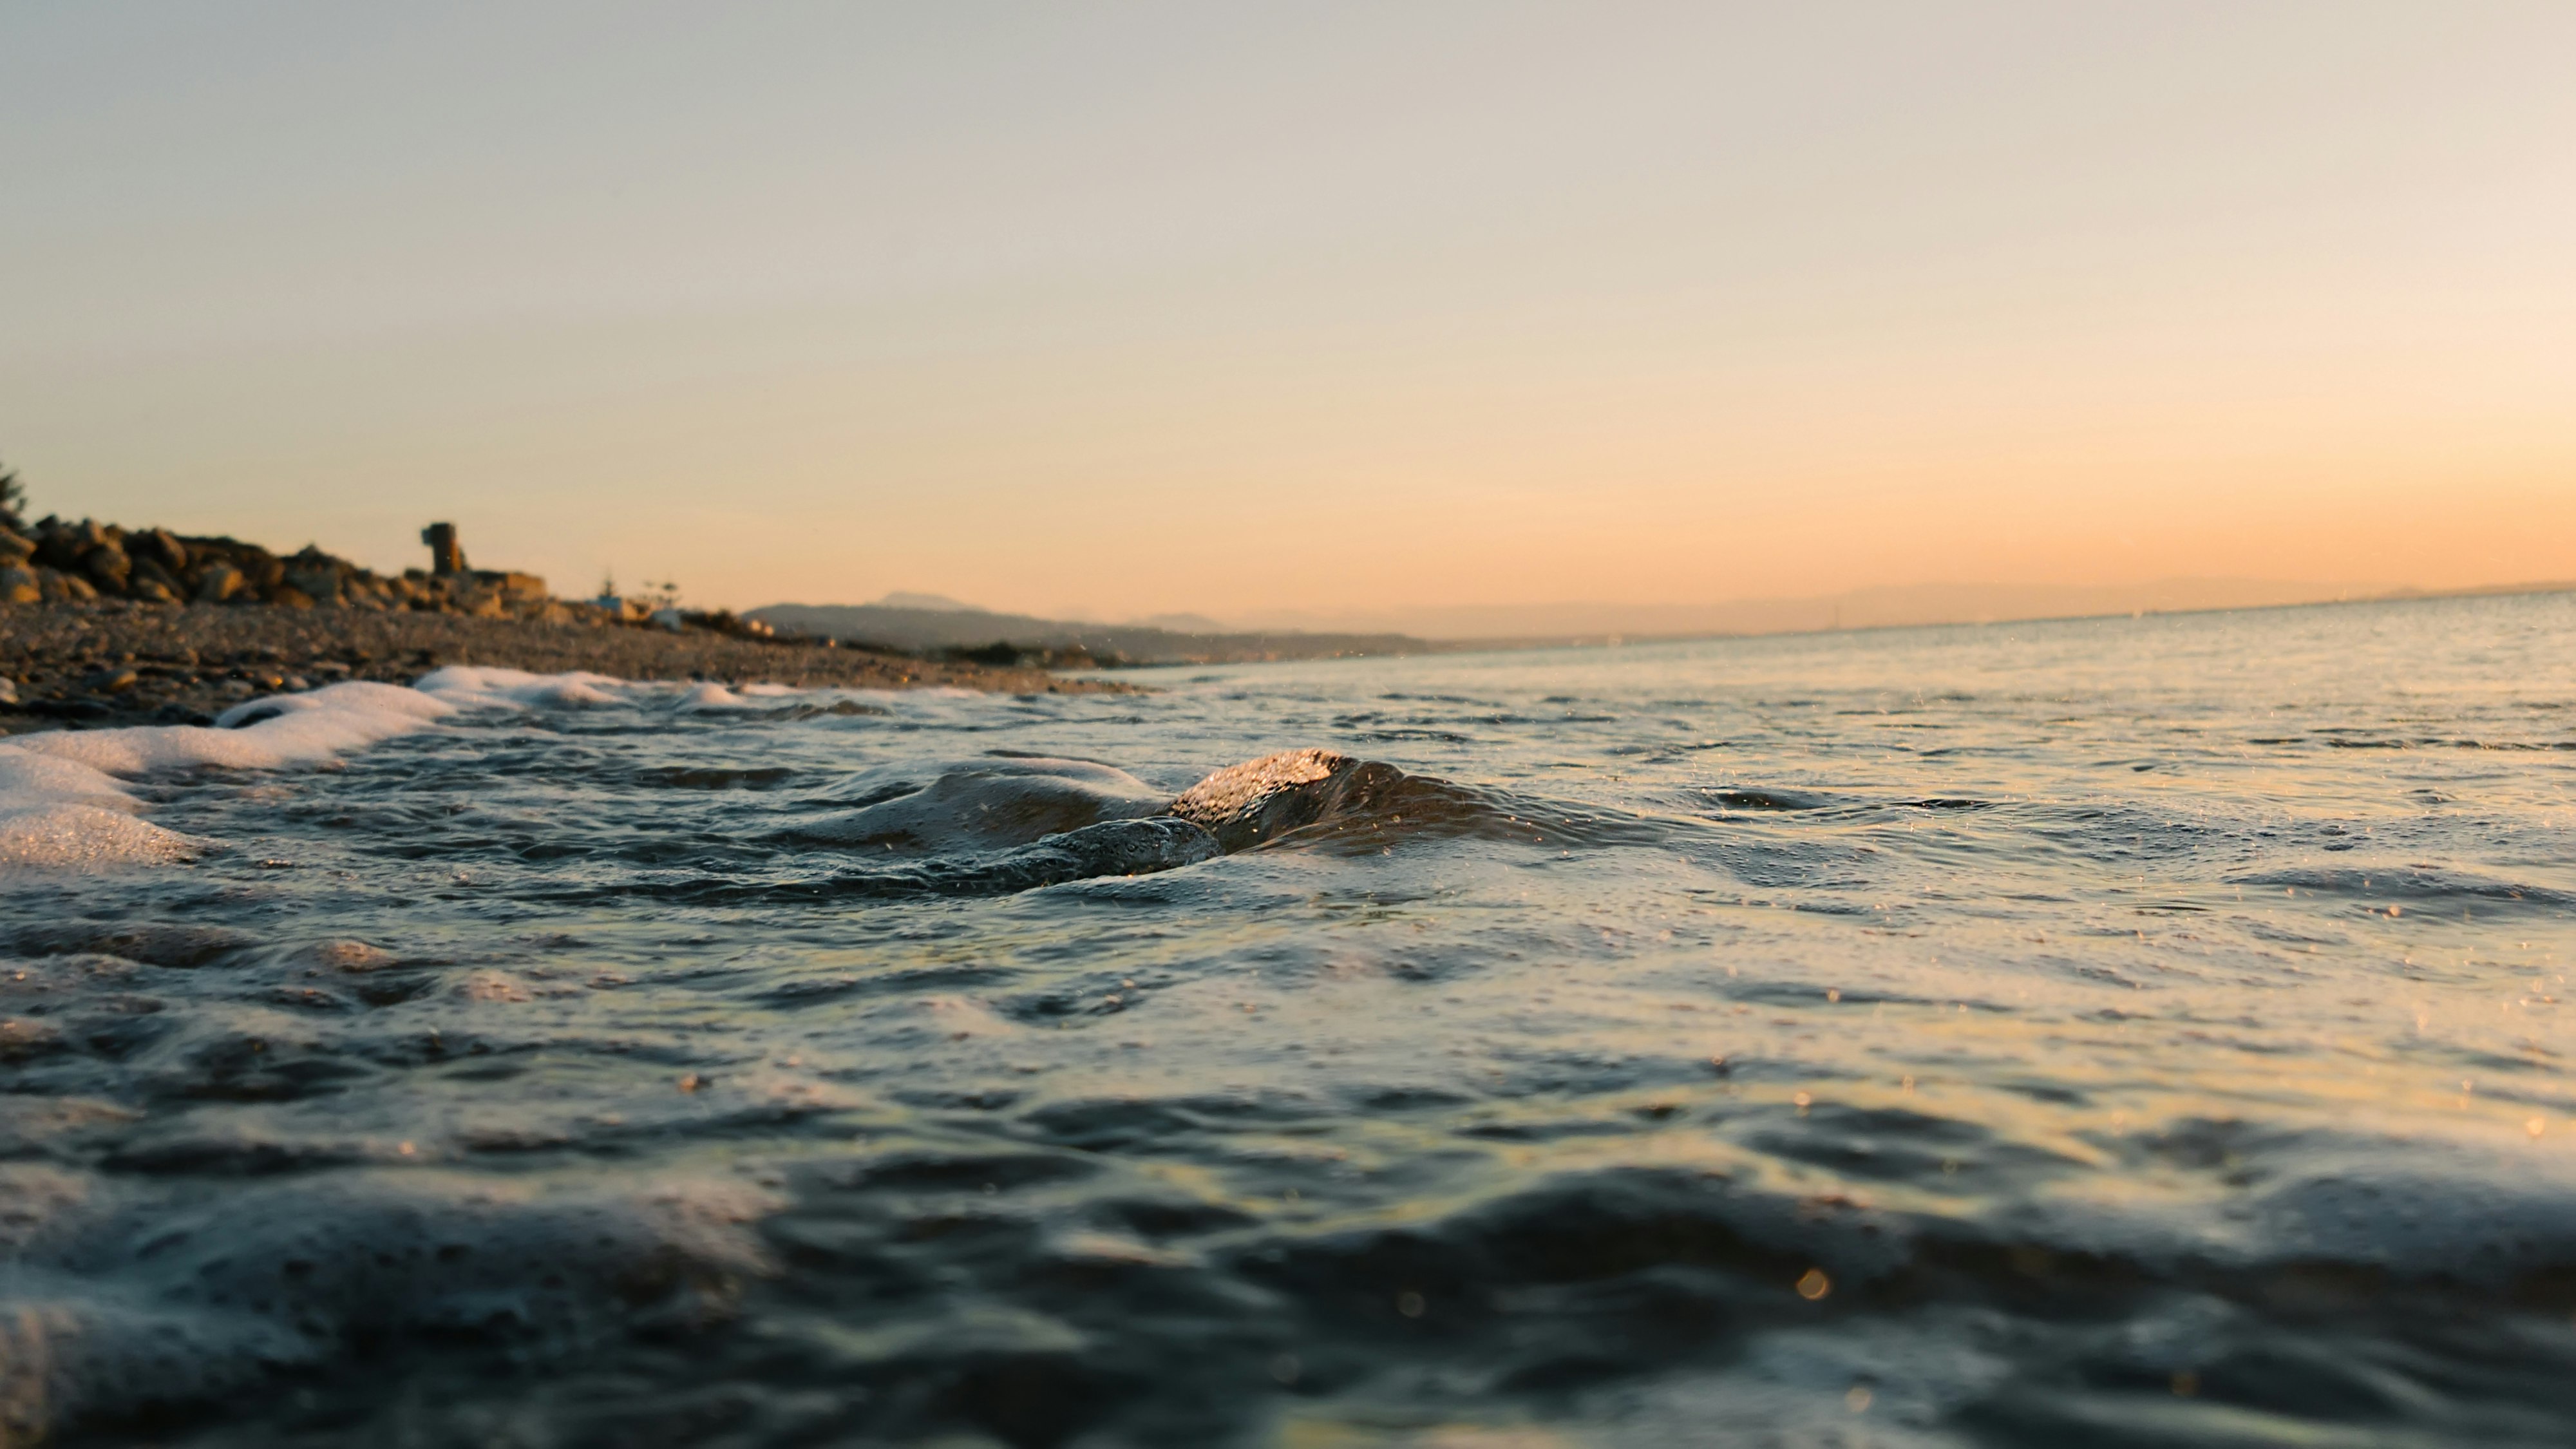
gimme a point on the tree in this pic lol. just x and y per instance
(13, 499)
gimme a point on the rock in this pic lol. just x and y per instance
(107, 567)
(60, 545)
(147, 569)
(19, 585)
(317, 575)
(162, 547)
(320, 585)
(219, 581)
(111, 681)
(154, 565)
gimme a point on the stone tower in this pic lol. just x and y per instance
(446, 555)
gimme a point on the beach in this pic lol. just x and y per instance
(116, 662)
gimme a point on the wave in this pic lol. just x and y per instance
(1320, 800)
(979, 804)
(2411, 884)
(210, 1300)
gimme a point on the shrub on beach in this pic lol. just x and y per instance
(13, 499)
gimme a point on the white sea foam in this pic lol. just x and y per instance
(62, 812)
(712, 696)
(62, 803)
(469, 686)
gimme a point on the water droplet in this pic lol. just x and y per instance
(1813, 1284)
(1410, 1304)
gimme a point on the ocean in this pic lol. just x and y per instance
(2127, 1031)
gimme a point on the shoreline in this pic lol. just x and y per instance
(114, 662)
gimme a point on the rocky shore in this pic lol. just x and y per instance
(102, 625)
(57, 562)
(116, 662)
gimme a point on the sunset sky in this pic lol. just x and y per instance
(1241, 308)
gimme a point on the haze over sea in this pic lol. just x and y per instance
(2127, 1031)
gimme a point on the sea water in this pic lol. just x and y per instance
(2129, 1032)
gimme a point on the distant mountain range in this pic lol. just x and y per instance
(932, 623)
(905, 621)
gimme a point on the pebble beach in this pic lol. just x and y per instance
(121, 662)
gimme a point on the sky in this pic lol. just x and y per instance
(1256, 310)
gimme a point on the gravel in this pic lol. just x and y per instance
(122, 663)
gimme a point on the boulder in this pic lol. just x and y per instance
(218, 581)
(316, 575)
(59, 545)
(162, 547)
(107, 567)
(63, 588)
(147, 570)
(15, 548)
(19, 585)
(321, 585)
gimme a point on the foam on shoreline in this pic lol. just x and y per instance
(63, 802)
